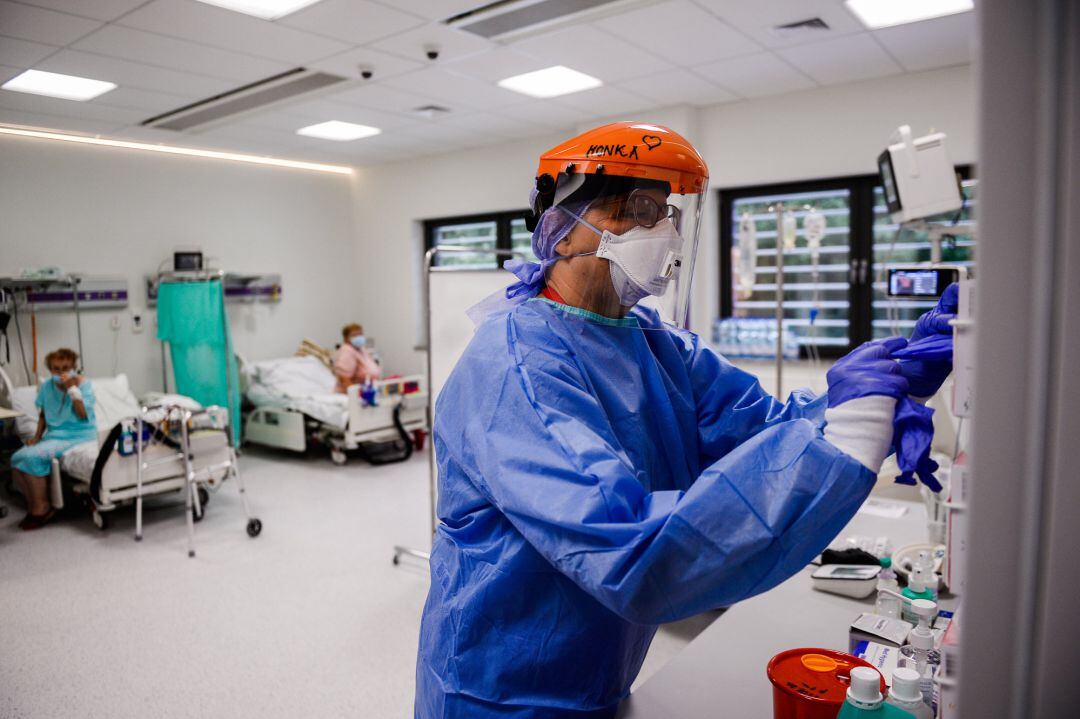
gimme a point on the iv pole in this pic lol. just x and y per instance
(779, 209)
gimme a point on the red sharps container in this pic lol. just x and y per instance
(811, 683)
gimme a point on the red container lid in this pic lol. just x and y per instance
(815, 675)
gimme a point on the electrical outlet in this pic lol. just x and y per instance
(115, 323)
(136, 322)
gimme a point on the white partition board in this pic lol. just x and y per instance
(452, 293)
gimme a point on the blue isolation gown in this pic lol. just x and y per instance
(597, 479)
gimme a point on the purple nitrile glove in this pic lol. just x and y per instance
(866, 371)
(927, 375)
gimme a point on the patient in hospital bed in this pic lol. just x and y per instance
(353, 363)
(66, 418)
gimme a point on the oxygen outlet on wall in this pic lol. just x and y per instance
(114, 323)
(137, 324)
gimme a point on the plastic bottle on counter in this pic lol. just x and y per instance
(887, 605)
(919, 653)
(916, 589)
(905, 693)
(864, 698)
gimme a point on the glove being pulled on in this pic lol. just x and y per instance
(864, 387)
(926, 375)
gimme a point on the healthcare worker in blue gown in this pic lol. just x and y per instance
(600, 471)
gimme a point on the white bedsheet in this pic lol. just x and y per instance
(303, 384)
(78, 461)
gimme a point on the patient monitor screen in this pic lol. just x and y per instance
(920, 283)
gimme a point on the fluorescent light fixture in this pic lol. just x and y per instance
(265, 9)
(173, 150)
(550, 82)
(53, 84)
(876, 14)
(338, 131)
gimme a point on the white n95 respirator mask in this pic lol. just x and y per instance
(643, 260)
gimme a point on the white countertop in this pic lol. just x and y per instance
(721, 673)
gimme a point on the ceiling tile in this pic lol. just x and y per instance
(148, 102)
(545, 113)
(27, 22)
(347, 64)
(126, 73)
(497, 64)
(680, 32)
(757, 19)
(25, 102)
(55, 122)
(381, 97)
(842, 59)
(931, 43)
(452, 44)
(154, 49)
(756, 75)
(7, 72)
(435, 9)
(493, 125)
(588, 49)
(293, 117)
(606, 100)
(22, 53)
(97, 9)
(455, 91)
(354, 21)
(209, 25)
(676, 87)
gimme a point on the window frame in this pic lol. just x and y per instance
(860, 251)
(502, 220)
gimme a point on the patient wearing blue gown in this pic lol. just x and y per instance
(65, 405)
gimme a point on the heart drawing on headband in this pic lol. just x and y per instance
(651, 141)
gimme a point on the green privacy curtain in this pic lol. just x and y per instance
(191, 318)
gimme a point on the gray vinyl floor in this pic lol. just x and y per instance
(309, 619)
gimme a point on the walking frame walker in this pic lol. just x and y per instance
(177, 423)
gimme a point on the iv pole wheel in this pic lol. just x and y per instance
(254, 527)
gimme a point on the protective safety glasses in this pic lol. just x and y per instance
(638, 208)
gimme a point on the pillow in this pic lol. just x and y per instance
(296, 376)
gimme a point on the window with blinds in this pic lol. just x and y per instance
(478, 236)
(482, 236)
(816, 294)
(844, 289)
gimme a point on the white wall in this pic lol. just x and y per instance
(819, 133)
(105, 211)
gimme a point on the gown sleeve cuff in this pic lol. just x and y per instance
(862, 429)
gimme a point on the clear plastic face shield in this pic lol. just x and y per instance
(633, 242)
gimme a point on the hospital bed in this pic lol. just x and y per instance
(296, 406)
(164, 469)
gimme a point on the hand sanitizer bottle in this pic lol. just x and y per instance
(905, 694)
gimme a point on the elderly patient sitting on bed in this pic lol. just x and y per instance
(353, 364)
(66, 418)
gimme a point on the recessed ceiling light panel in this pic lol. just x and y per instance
(265, 9)
(876, 14)
(550, 82)
(338, 131)
(53, 84)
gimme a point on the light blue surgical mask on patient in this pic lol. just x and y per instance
(358, 341)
